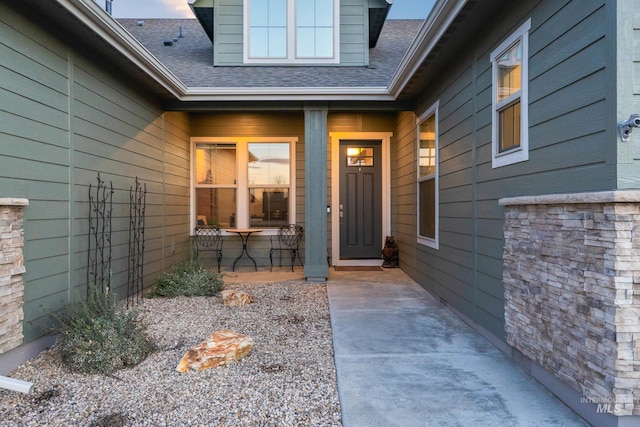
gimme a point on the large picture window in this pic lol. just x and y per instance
(241, 182)
(291, 31)
(427, 190)
(509, 63)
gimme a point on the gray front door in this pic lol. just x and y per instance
(360, 199)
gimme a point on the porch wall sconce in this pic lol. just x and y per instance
(625, 127)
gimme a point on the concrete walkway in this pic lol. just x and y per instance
(404, 359)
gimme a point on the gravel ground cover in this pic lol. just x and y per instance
(288, 379)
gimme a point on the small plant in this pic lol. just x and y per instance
(98, 337)
(188, 278)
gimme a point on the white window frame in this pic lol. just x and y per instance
(423, 240)
(521, 153)
(242, 185)
(291, 58)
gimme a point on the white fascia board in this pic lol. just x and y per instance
(101, 23)
(438, 21)
(287, 94)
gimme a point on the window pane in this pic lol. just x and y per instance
(305, 43)
(510, 71)
(259, 42)
(269, 164)
(324, 13)
(278, 13)
(428, 208)
(268, 28)
(509, 127)
(216, 164)
(269, 207)
(259, 13)
(217, 205)
(314, 29)
(324, 43)
(428, 146)
(305, 13)
(277, 42)
(359, 156)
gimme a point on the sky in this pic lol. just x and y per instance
(400, 9)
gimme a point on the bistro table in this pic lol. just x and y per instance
(244, 234)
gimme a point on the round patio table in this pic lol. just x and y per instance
(244, 234)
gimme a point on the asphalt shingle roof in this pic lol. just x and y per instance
(191, 58)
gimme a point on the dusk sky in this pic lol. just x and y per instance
(400, 9)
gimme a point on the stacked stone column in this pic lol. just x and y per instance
(11, 272)
(572, 290)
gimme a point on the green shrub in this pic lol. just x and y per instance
(98, 337)
(188, 278)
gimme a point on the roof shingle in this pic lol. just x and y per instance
(190, 58)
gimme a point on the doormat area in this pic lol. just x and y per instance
(357, 268)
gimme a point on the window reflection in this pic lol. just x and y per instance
(427, 151)
(216, 206)
(216, 164)
(269, 207)
(269, 164)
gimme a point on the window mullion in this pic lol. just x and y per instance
(242, 189)
(291, 29)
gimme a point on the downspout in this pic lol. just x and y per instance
(15, 385)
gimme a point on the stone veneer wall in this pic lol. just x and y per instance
(572, 290)
(11, 271)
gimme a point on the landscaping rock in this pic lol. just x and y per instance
(220, 348)
(233, 298)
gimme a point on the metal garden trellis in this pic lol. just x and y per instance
(99, 248)
(137, 206)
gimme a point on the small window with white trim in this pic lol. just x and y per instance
(291, 31)
(427, 180)
(510, 121)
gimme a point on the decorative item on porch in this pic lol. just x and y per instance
(220, 348)
(233, 298)
(390, 252)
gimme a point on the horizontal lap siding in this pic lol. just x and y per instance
(353, 32)
(177, 167)
(228, 33)
(62, 121)
(34, 155)
(629, 89)
(570, 148)
(119, 136)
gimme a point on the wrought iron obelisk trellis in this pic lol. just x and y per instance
(137, 206)
(99, 248)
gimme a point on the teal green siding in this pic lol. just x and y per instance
(354, 30)
(627, 33)
(571, 139)
(63, 120)
(228, 32)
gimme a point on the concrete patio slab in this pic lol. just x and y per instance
(404, 359)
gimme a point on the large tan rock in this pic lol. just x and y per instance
(232, 298)
(220, 348)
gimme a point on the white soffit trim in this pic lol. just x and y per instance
(287, 94)
(438, 21)
(102, 24)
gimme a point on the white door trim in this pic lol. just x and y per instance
(336, 137)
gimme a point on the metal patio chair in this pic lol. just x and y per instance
(208, 238)
(287, 239)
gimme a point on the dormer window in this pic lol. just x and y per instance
(291, 31)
